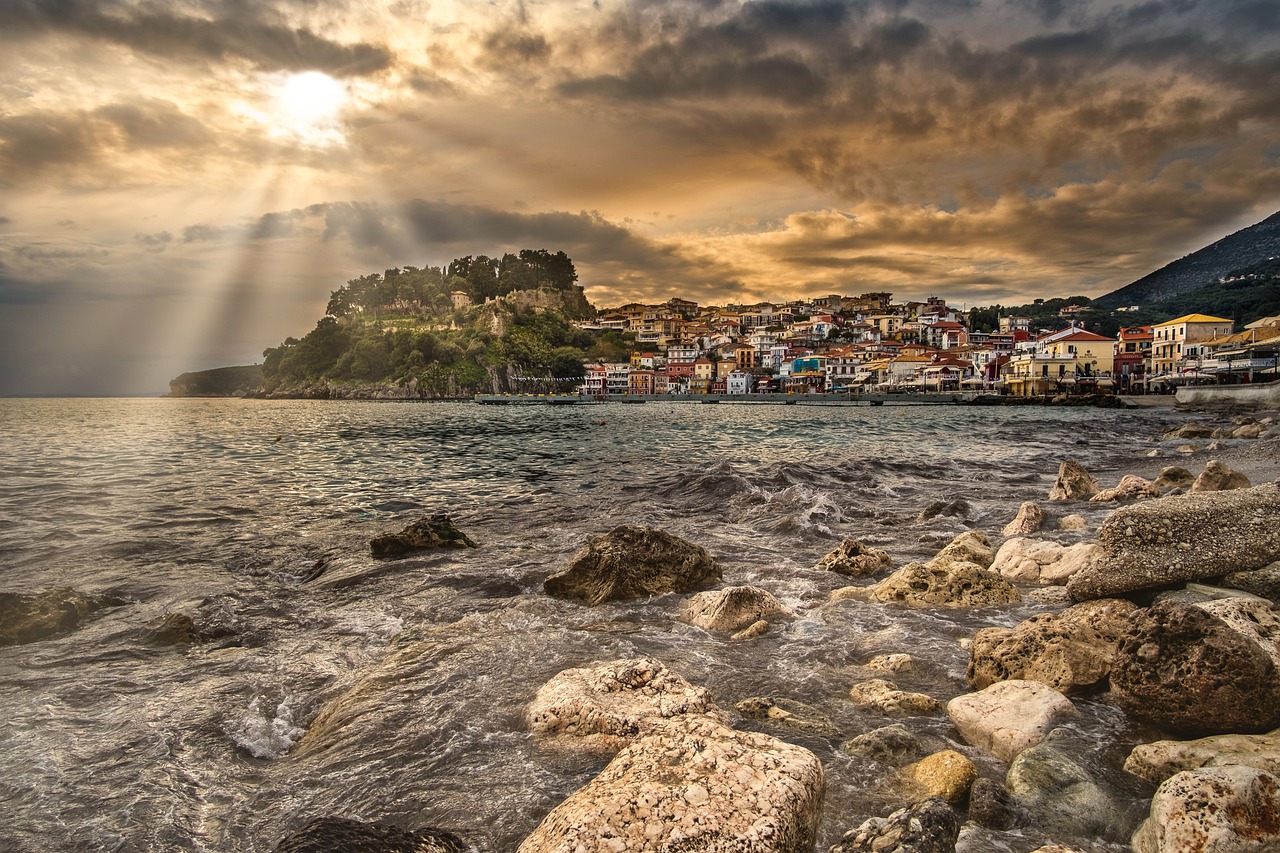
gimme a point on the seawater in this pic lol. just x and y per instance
(253, 517)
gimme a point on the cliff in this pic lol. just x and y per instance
(218, 382)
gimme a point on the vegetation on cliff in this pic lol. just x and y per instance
(219, 382)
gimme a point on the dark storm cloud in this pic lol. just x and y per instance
(271, 45)
(4, 220)
(31, 142)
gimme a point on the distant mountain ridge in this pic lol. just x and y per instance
(1202, 268)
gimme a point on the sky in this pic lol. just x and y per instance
(184, 182)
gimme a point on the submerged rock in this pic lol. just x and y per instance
(756, 629)
(891, 745)
(434, 531)
(957, 508)
(1157, 761)
(928, 827)
(1201, 669)
(1219, 477)
(633, 562)
(175, 629)
(733, 608)
(1073, 483)
(341, 835)
(1030, 518)
(1009, 716)
(27, 618)
(1182, 538)
(992, 806)
(855, 559)
(925, 585)
(1062, 795)
(787, 714)
(1213, 810)
(884, 696)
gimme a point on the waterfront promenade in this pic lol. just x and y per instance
(920, 399)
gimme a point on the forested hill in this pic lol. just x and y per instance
(478, 324)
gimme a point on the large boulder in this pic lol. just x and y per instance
(1069, 651)
(1030, 518)
(1130, 488)
(1010, 716)
(691, 783)
(1219, 477)
(27, 618)
(633, 562)
(1182, 538)
(1041, 561)
(931, 826)
(1205, 668)
(855, 559)
(877, 694)
(1174, 477)
(433, 531)
(1063, 795)
(1213, 810)
(1073, 483)
(733, 608)
(1157, 761)
(343, 835)
(927, 585)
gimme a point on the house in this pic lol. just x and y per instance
(739, 382)
(1172, 338)
(1133, 356)
(641, 382)
(1091, 354)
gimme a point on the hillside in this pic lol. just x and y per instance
(219, 382)
(1201, 269)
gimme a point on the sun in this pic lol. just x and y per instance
(308, 106)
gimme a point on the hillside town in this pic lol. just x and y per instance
(849, 345)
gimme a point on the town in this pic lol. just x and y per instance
(843, 345)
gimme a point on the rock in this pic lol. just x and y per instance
(954, 508)
(434, 531)
(175, 629)
(1069, 651)
(884, 696)
(892, 663)
(920, 585)
(340, 835)
(756, 629)
(1201, 669)
(892, 745)
(1062, 795)
(972, 546)
(1213, 810)
(855, 559)
(611, 703)
(1055, 848)
(788, 714)
(633, 562)
(990, 805)
(928, 827)
(1009, 716)
(1188, 449)
(1174, 477)
(691, 784)
(1157, 761)
(1192, 429)
(1249, 431)
(1218, 477)
(1130, 488)
(947, 775)
(1264, 582)
(1073, 523)
(1041, 561)
(1073, 483)
(1030, 518)
(27, 618)
(1183, 538)
(732, 608)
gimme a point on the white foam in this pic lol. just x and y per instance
(262, 736)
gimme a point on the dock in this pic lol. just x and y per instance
(904, 399)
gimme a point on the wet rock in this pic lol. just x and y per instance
(1249, 431)
(922, 585)
(612, 703)
(892, 663)
(947, 775)
(1188, 449)
(1030, 518)
(1174, 477)
(1264, 582)
(992, 806)
(692, 783)
(732, 608)
(1010, 716)
(633, 562)
(972, 546)
(1130, 488)
(952, 509)
(1055, 848)
(787, 714)
(175, 629)
(1157, 761)
(1192, 429)
(1073, 483)
(435, 531)
(1201, 669)
(928, 827)
(1213, 810)
(756, 629)
(341, 835)
(1041, 561)
(855, 559)
(1073, 523)
(893, 745)
(1183, 538)
(1062, 795)
(1219, 477)
(1069, 651)
(27, 618)
(884, 696)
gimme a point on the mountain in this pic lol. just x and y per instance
(1201, 269)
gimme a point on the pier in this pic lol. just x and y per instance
(903, 399)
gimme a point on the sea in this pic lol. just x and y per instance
(253, 518)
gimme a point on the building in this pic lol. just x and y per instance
(1171, 339)
(1133, 356)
